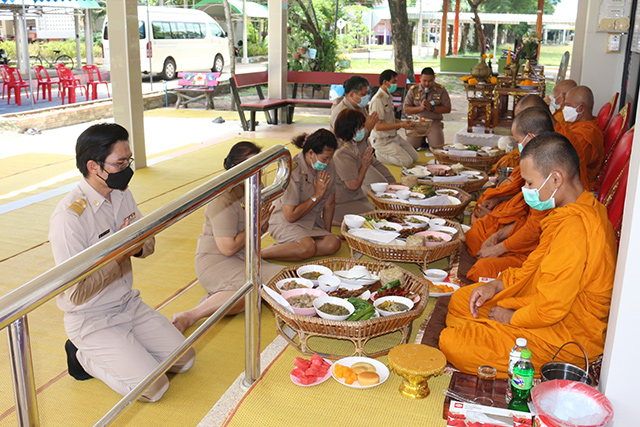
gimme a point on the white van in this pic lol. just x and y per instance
(180, 39)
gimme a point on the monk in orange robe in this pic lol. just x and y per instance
(563, 290)
(559, 96)
(506, 236)
(579, 125)
(510, 186)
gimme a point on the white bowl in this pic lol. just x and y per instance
(416, 195)
(445, 229)
(309, 268)
(425, 221)
(379, 187)
(328, 283)
(299, 280)
(446, 192)
(470, 173)
(437, 221)
(396, 227)
(403, 194)
(354, 221)
(387, 195)
(400, 300)
(318, 302)
(435, 275)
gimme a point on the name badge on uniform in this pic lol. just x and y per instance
(104, 233)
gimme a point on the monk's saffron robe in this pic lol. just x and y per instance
(588, 141)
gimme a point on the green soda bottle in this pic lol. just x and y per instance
(522, 382)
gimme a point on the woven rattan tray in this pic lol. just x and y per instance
(443, 211)
(478, 162)
(470, 185)
(422, 255)
(360, 332)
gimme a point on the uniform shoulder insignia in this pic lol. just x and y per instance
(294, 165)
(439, 86)
(78, 206)
(412, 86)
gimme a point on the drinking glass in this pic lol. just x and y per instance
(485, 384)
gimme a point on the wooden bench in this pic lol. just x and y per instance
(256, 80)
(196, 87)
(326, 79)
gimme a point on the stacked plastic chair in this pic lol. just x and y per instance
(612, 135)
(607, 111)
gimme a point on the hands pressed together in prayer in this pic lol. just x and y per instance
(367, 157)
(371, 121)
(265, 215)
(484, 293)
(321, 183)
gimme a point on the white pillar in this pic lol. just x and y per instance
(76, 25)
(124, 40)
(621, 347)
(245, 46)
(22, 43)
(88, 37)
(495, 44)
(278, 10)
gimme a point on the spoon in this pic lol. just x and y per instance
(456, 396)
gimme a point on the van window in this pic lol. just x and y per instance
(179, 30)
(216, 31)
(141, 28)
(193, 31)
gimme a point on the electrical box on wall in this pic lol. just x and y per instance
(614, 16)
(613, 42)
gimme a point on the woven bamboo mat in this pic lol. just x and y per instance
(276, 401)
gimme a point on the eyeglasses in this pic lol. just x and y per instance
(120, 166)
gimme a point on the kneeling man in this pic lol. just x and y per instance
(561, 293)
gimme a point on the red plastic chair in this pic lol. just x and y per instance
(611, 171)
(69, 84)
(92, 73)
(615, 209)
(44, 81)
(606, 112)
(13, 80)
(5, 82)
(614, 131)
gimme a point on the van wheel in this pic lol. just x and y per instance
(169, 69)
(218, 64)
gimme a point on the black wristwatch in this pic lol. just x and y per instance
(433, 108)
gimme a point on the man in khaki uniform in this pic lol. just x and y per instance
(430, 100)
(390, 147)
(113, 335)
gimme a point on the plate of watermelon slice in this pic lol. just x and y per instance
(312, 371)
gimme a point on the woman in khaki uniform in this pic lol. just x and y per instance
(220, 265)
(353, 162)
(301, 221)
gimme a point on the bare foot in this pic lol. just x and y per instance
(182, 321)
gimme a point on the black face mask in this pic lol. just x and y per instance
(119, 180)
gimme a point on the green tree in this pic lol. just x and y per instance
(518, 6)
(311, 26)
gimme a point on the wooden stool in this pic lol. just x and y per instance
(480, 113)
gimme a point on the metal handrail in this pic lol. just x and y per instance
(15, 305)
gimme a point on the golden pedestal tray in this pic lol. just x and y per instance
(416, 363)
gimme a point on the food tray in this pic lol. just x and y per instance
(478, 162)
(470, 186)
(422, 255)
(443, 211)
(360, 332)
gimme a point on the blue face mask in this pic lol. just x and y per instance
(359, 135)
(318, 165)
(393, 88)
(554, 104)
(364, 101)
(521, 144)
(532, 198)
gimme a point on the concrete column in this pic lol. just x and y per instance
(88, 37)
(278, 11)
(76, 25)
(245, 45)
(22, 43)
(126, 79)
(621, 347)
(495, 43)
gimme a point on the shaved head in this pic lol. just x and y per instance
(552, 151)
(563, 87)
(528, 102)
(533, 121)
(580, 95)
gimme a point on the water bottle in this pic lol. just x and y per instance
(521, 382)
(514, 356)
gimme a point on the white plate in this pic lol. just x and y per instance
(279, 298)
(381, 370)
(446, 192)
(438, 295)
(320, 380)
(475, 173)
(396, 227)
(418, 171)
(389, 196)
(375, 236)
(344, 278)
(416, 225)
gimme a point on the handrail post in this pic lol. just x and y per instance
(24, 386)
(252, 197)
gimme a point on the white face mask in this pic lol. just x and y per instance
(570, 114)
